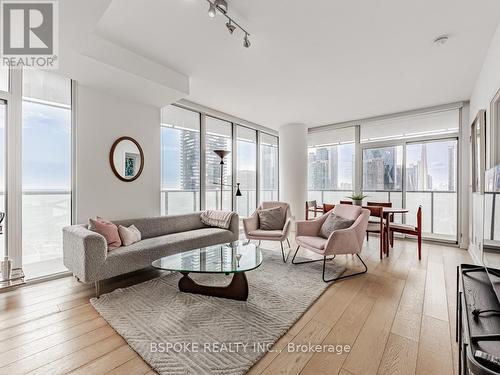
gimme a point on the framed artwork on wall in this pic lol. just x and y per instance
(478, 152)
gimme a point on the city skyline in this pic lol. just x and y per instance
(183, 147)
(330, 169)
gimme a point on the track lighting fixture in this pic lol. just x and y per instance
(230, 27)
(222, 7)
(246, 41)
(212, 11)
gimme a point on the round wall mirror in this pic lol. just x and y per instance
(126, 159)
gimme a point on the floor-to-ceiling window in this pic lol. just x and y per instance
(191, 169)
(412, 161)
(3, 118)
(331, 158)
(4, 79)
(269, 168)
(409, 160)
(383, 174)
(219, 135)
(431, 181)
(246, 170)
(46, 170)
(180, 164)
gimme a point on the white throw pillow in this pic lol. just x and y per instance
(129, 235)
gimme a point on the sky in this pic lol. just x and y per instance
(46, 139)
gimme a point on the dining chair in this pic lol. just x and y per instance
(375, 220)
(312, 206)
(411, 230)
(328, 207)
(376, 226)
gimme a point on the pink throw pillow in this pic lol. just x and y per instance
(108, 230)
(129, 235)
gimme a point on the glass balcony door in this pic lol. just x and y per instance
(413, 174)
(431, 181)
(269, 168)
(180, 163)
(218, 137)
(46, 170)
(246, 170)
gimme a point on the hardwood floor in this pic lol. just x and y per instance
(399, 318)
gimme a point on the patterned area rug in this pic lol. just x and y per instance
(180, 333)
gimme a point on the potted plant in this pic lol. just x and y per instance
(357, 199)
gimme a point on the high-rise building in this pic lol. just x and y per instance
(189, 146)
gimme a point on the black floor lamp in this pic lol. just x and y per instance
(222, 154)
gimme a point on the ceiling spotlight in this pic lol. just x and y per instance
(440, 40)
(212, 11)
(230, 27)
(221, 5)
(246, 41)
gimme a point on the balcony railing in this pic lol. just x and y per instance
(440, 216)
(174, 202)
(45, 213)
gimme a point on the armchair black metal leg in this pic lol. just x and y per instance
(288, 243)
(285, 259)
(248, 241)
(343, 277)
(308, 261)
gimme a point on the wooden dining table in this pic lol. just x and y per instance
(388, 212)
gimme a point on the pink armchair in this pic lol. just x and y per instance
(343, 241)
(252, 231)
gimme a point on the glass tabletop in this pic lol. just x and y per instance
(224, 258)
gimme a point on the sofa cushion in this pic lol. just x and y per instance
(129, 235)
(271, 218)
(108, 230)
(332, 223)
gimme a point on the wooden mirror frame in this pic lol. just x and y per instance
(112, 162)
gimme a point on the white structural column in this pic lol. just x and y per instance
(293, 167)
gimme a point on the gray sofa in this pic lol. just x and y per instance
(87, 257)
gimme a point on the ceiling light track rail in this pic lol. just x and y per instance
(221, 6)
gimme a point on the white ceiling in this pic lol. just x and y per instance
(314, 61)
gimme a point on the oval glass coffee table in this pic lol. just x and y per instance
(236, 258)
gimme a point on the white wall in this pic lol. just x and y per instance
(101, 119)
(487, 85)
(293, 167)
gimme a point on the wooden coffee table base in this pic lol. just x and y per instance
(237, 288)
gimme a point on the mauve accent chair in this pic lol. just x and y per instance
(253, 232)
(342, 241)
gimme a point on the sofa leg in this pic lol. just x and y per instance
(259, 242)
(97, 289)
(307, 261)
(343, 277)
(283, 253)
